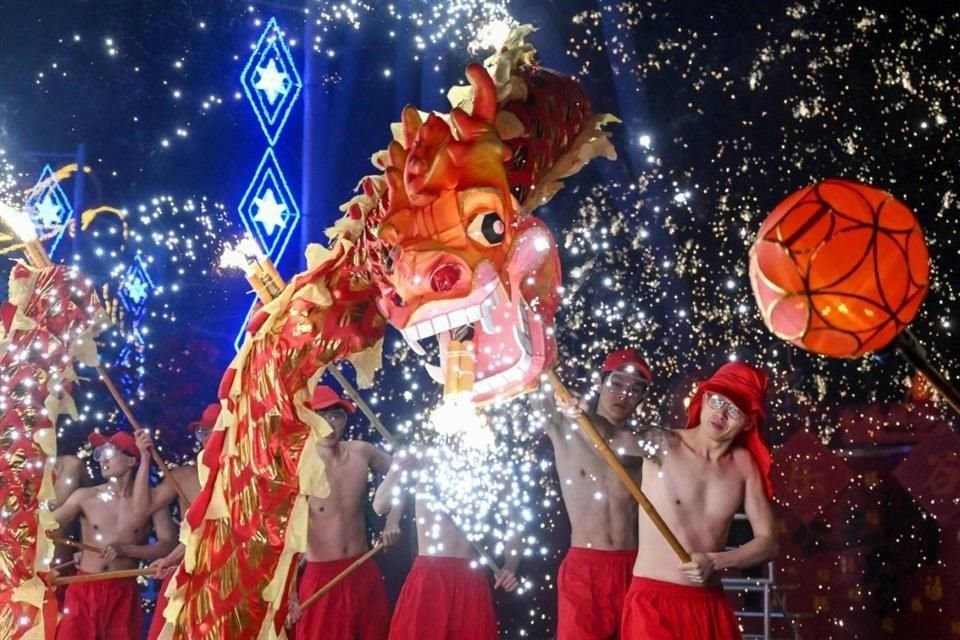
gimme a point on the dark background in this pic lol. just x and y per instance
(743, 104)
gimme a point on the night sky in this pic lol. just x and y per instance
(726, 109)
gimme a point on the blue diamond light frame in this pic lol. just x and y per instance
(269, 176)
(271, 46)
(49, 185)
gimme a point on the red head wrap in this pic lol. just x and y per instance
(746, 387)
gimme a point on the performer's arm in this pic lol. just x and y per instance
(71, 509)
(764, 546)
(507, 578)
(544, 403)
(163, 495)
(166, 533)
(141, 482)
(166, 565)
(381, 461)
(390, 492)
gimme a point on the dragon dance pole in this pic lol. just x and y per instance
(73, 543)
(106, 575)
(611, 459)
(138, 427)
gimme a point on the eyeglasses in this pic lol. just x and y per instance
(104, 452)
(627, 385)
(718, 402)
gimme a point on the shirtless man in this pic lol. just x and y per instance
(443, 598)
(698, 481)
(114, 516)
(357, 608)
(595, 574)
(188, 478)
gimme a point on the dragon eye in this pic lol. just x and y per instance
(487, 228)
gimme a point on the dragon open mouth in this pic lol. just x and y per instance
(508, 337)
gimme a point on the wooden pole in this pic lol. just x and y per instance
(910, 348)
(611, 459)
(340, 577)
(138, 427)
(106, 575)
(63, 565)
(73, 543)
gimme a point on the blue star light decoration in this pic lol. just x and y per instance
(134, 291)
(49, 207)
(268, 209)
(271, 81)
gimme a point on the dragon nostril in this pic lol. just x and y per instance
(445, 278)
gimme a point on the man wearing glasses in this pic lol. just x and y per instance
(595, 574)
(698, 481)
(114, 516)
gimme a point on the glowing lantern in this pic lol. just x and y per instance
(839, 268)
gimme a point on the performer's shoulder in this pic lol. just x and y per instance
(362, 448)
(744, 461)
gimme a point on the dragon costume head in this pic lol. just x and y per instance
(454, 247)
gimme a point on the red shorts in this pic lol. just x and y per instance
(656, 610)
(104, 610)
(444, 599)
(591, 586)
(355, 609)
(156, 624)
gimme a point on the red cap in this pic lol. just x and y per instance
(624, 358)
(121, 440)
(208, 419)
(746, 387)
(324, 397)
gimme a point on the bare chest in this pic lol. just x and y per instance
(585, 477)
(687, 484)
(108, 519)
(348, 480)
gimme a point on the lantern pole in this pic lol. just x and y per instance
(911, 349)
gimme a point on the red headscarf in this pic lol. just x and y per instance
(746, 387)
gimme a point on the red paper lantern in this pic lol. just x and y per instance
(839, 268)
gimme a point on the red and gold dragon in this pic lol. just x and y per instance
(441, 238)
(49, 321)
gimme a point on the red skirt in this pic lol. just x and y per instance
(444, 599)
(156, 624)
(591, 586)
(104, 610)
(355, 609)
(657, 610)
